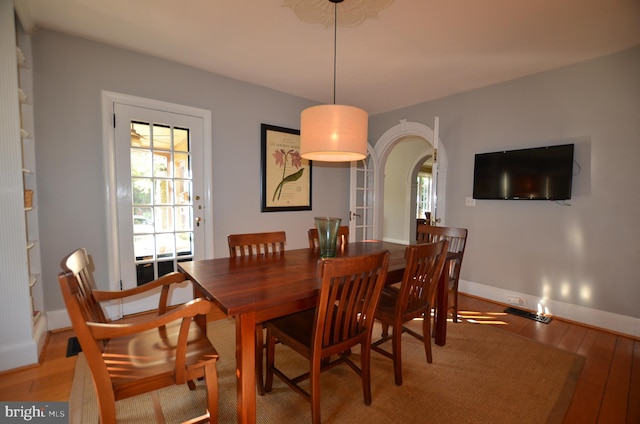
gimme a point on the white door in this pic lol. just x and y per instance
(159, 191)
(361, 208)
(434, 174)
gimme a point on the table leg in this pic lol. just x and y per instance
(442, 307)
(246, 367)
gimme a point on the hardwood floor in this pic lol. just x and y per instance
(608, 390)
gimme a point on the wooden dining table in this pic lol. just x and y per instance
(256, 289)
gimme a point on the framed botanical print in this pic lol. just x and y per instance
(286, 177)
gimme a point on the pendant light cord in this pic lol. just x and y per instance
(335, 46)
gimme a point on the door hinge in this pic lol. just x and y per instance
(121, 285)
(114, 120)
(435, 154)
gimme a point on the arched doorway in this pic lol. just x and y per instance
(383, 149)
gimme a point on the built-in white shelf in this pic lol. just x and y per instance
(22, 60)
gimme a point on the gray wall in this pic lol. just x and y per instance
(584, 254)
(69, 75)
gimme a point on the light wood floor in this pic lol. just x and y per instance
(608, 390)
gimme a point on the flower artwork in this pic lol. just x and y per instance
(282, 158)
(286, 176)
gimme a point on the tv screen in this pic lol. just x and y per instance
(541, 173)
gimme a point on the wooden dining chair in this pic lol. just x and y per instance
(140, 355)
(343, 237)
(413, 299)
(342, 319)
(257, 245)
(457, 238)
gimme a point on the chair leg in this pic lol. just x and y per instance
(271, 350)
(385, 330)
(396, 346)
(259, 358)
(454, 301)
(426, 330)
(365, 371)
(211, 380)
(314, 385)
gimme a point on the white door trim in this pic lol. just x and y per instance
(383, 148)
(108, 136)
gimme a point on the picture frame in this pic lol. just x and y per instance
(285, 176)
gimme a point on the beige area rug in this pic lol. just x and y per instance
(482, 375)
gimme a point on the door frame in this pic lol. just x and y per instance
(383, 147)
(108, 149)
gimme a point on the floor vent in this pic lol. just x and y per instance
(531, 315)
(73, 347)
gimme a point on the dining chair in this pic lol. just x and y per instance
(413, 299)
(257, 245)
(343, 318)
(149, 352)
(457, 238)
(343, 237)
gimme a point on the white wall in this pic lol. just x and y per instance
(585, 254)
(70, 74)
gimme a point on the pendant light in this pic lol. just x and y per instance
(333, 133)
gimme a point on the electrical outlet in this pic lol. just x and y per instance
(514, 300)
(471, 201)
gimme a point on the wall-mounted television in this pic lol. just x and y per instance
(540, 173)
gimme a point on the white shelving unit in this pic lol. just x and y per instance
(23, 323)
(27, 130)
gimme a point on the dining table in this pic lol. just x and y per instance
(255, 289)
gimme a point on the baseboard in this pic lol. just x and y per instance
(18, 355)
(392, 240)
(59, 319)
(588, 316)
(620, 324)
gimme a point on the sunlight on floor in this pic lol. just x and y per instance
(475, 317)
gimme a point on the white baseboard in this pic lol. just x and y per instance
(392, 240)
(592, 317)
(26, 352)
(18, 355)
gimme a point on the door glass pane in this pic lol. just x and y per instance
(424, 195)
(162, 208)
(364, 199)
(163, 191)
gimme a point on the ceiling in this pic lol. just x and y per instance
(407, 53)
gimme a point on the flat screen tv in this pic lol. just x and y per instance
(541, 173)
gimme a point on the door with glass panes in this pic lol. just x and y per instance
(159, 197)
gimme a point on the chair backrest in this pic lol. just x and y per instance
(351, 288)
(77, 284)
(256, 244)
(80, 265)
(343, 237)
(425, 263)
(457, 238)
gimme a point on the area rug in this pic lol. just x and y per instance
(482, 375)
